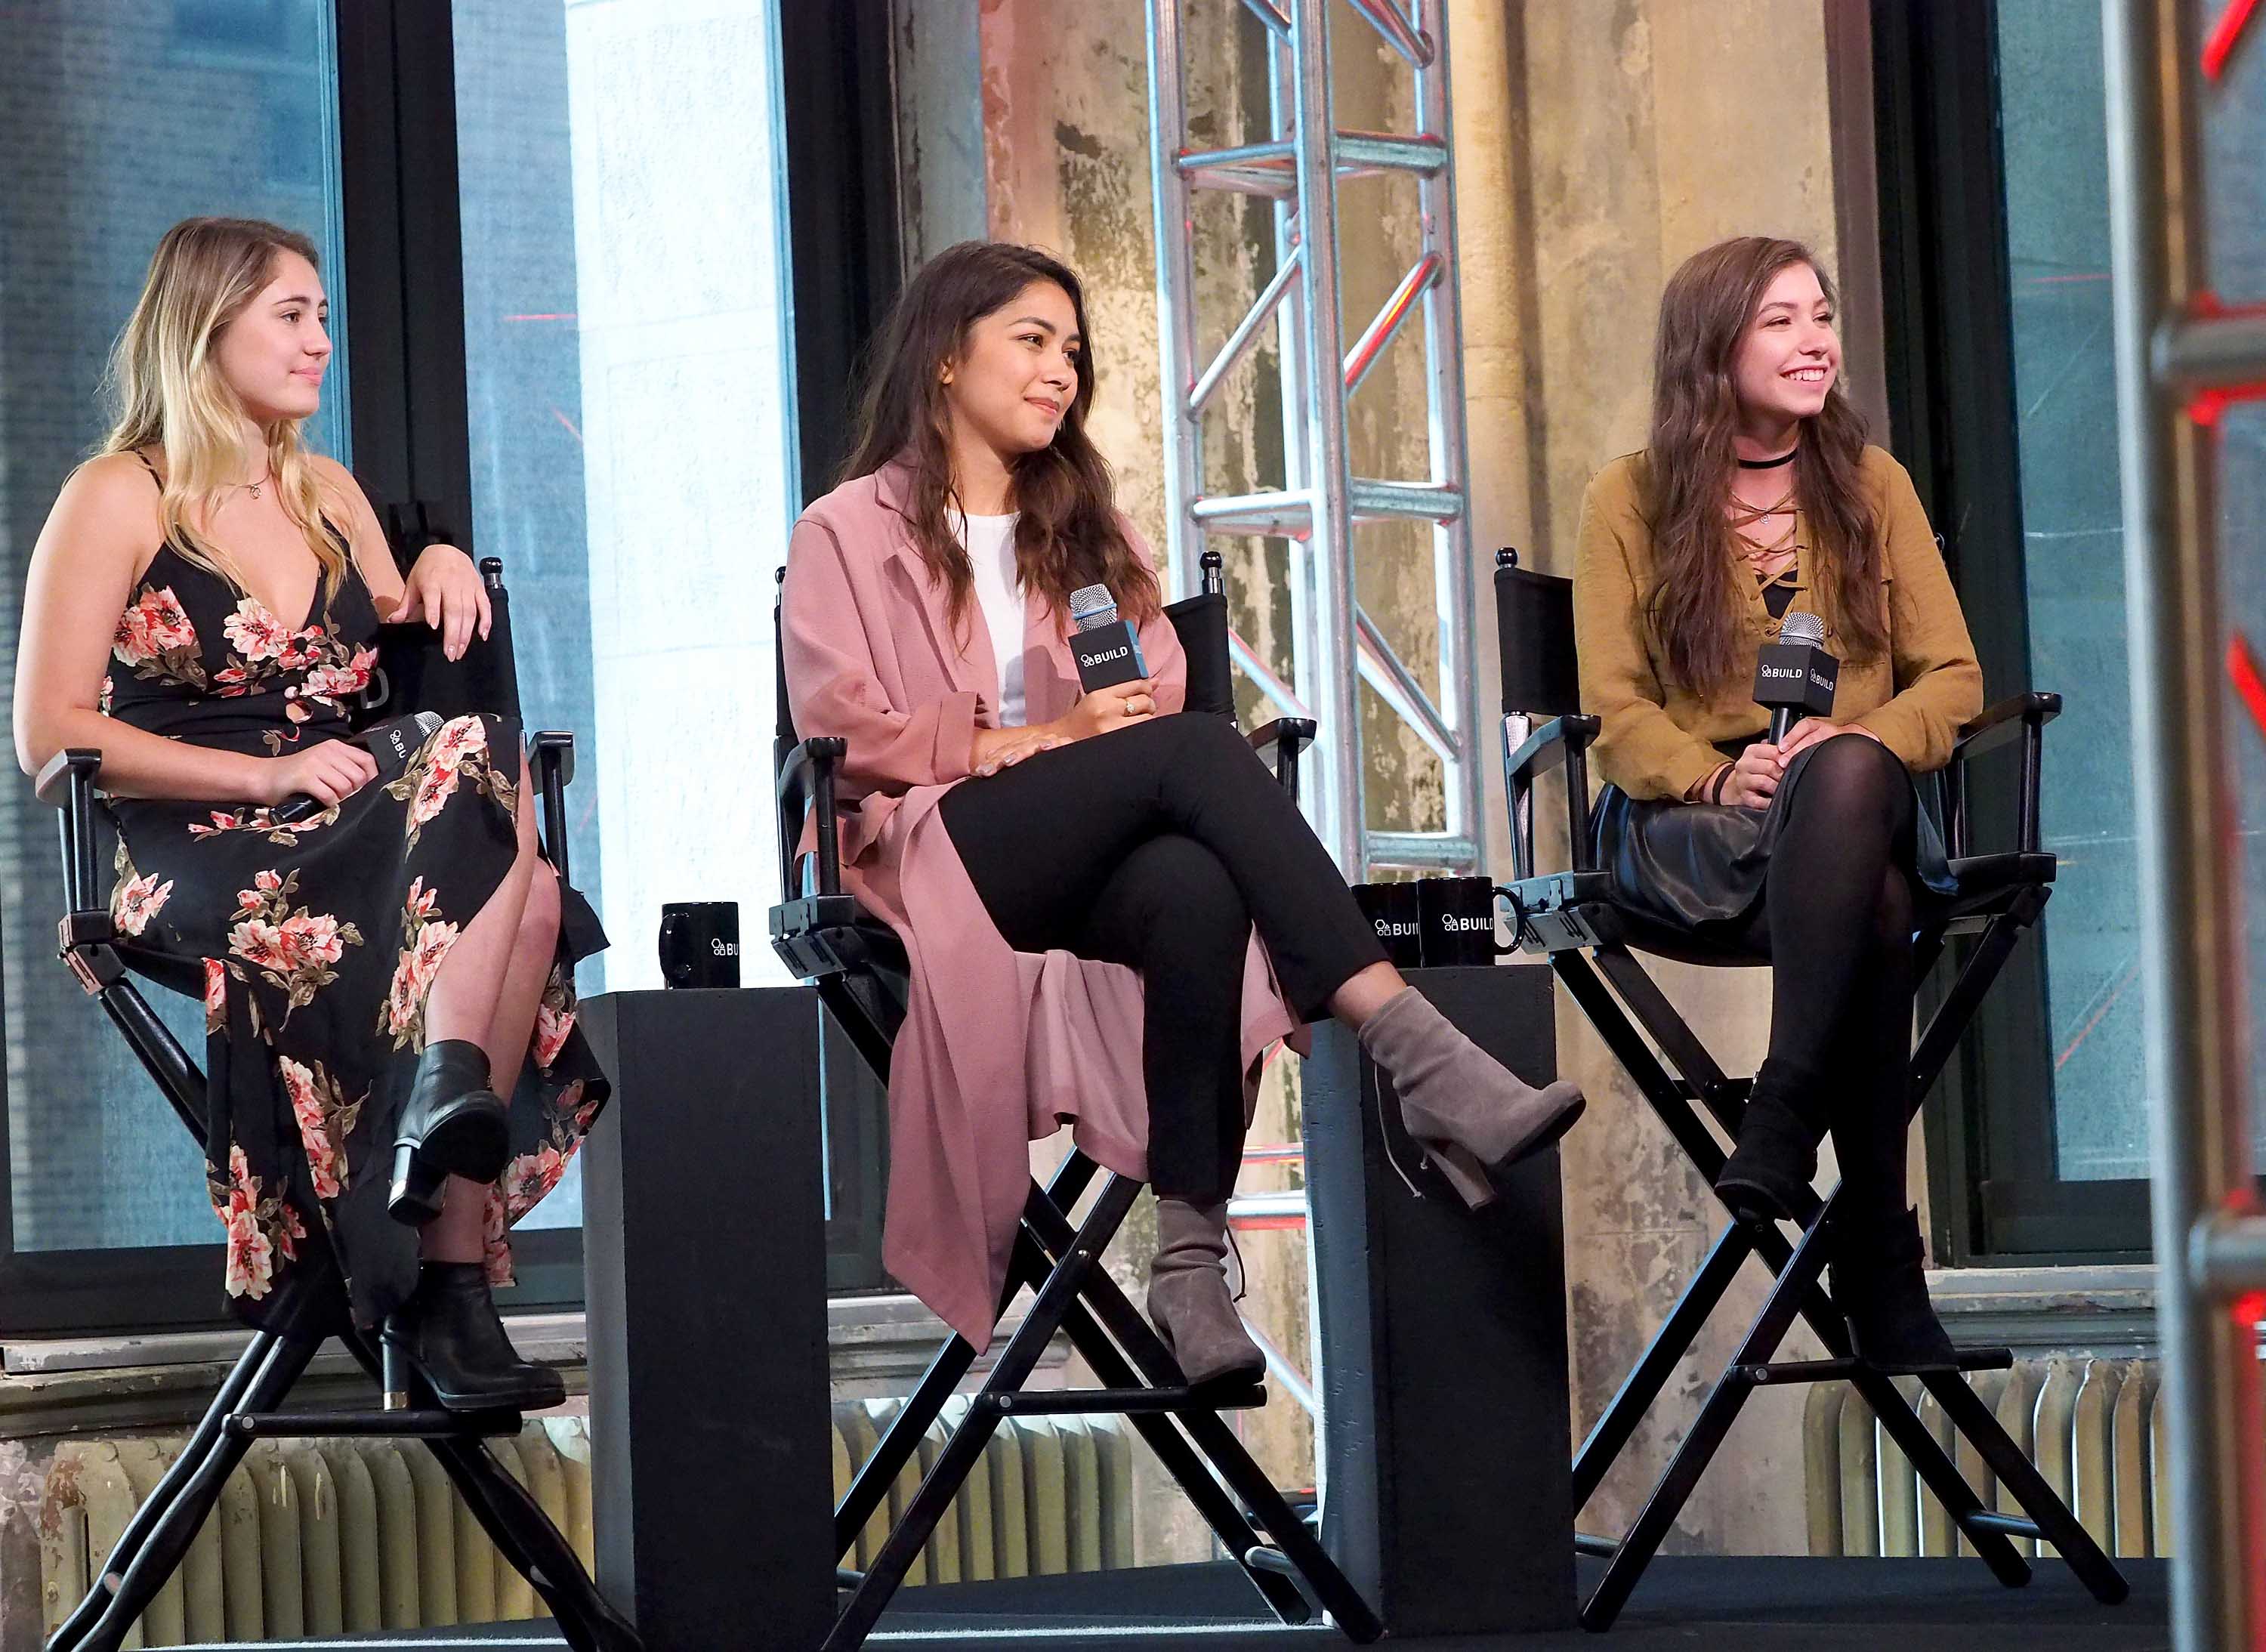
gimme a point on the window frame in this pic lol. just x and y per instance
(1948, 306)
(845, 240)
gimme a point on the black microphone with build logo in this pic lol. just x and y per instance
(1105, 648)
(1794, 677)
(392, 742)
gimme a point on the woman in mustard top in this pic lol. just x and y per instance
(1755, 496)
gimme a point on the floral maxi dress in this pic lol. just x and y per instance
(320, 937)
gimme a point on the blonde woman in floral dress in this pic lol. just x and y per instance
(381, 972)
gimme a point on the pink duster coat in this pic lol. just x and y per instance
(1000, 1048)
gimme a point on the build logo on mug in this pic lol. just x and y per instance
(1458, 918)
(701, 944)
(1391, 909)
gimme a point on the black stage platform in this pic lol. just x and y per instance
(1691, 1603)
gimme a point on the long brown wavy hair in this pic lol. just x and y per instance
(1690, 461)
(1067, 533)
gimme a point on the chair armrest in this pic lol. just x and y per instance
(805, 788)
(1286, 737)
(2023, 714)
(1560, 740)
(67, 781)
(65, 772)
(1996, 725)
(1527, 756)
(551, 754)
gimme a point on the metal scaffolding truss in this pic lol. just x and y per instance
(1335, 646)
(2181, 358)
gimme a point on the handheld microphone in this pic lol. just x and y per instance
(1105, 647)
(391, 743)
(1794, 677)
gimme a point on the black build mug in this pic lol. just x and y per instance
(1392, 912)
(701, 944)
(1458, 918)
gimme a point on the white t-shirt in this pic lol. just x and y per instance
(989, 542)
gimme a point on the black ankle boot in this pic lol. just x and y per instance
(453, 1124)
(449, 1334)
(1768, 1174)
(1881, 1291)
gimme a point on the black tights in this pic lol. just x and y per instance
(1162, 845)
(1837, 921)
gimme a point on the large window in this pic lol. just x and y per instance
(628, 352)
(117, 121)
(1995, 207)
(578, 357)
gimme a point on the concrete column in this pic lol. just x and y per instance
(1638, 147)
(941, 156)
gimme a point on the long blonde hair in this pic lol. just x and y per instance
(169, 394)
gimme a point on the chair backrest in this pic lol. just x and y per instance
(783, 735)
(1201, 624)
(790, 800)
(415, 673)
(1534, 628)
(419, 676)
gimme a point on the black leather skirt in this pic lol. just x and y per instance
(1697, 869)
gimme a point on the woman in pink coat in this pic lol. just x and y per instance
(1110, 909)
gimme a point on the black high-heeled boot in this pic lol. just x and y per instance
(1768, 1175)
(452, 1124)
(449, 1331)
(1880, 1289)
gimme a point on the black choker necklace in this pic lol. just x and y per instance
(1786, 457)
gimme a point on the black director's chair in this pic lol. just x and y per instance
(859, 968)
(1569, 917)
(311, 1305)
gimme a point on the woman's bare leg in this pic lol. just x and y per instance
(1366, 992)
(463, 1005)
(460, 1233)
(524, 978)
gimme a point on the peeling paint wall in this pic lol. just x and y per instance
(1597, 144)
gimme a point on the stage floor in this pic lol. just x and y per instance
(1693, 1604)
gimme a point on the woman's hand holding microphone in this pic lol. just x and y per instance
(330, 772)
(1754, 777)
(1117, 707)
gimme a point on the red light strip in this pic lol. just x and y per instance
(2249, 682)
(2224, 33)
(2207, 407)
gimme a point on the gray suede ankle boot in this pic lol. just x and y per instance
(1188, 1300)
(1470, 1114)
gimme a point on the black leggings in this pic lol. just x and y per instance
(1836, 920)
(1160, 846)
